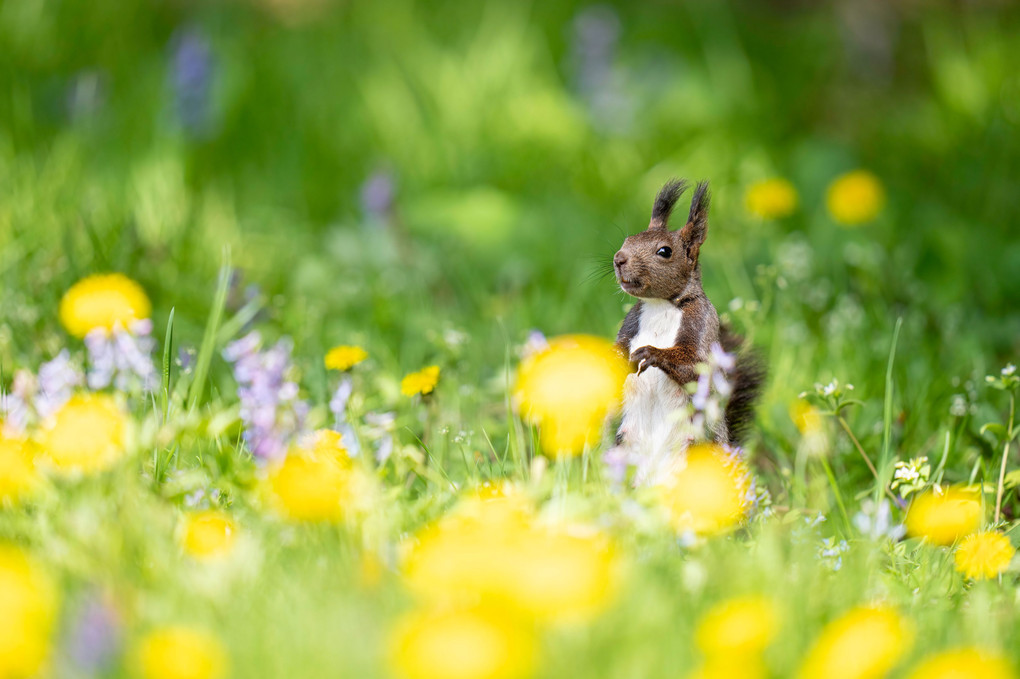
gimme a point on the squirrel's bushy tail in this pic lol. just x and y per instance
(748, 378)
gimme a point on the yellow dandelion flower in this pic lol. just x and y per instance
(319, 482)
(807, 417)
(965, 663)
(329, 444)
(742, 666)
(771, 199)
(984, 555)
(855, 197)
(944, 516)
(865, 643)
(344, 357)
(103, 301)
(29, 605)
(738, 627)
(459, 644)
(494, 551)
(568, 390)
(708, 493)
(88, 434)
(421, 382)
(176, 652)
(308, 487)
(208, 534)
(18, 475)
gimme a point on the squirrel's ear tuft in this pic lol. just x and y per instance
(664, 202)
(694, 231)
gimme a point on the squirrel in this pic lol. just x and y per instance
(668, 332)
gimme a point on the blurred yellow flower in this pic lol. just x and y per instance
(318, 482)
(744, 626)
(865, 643)
(344, 357)
(329, 444)
(309, 487)
(569, 389)
(208, 534)
(27, 614)
(984, 555)
(771, 199)
(176, 652)
(459, 644)
(944, 516)
(421, 382)
(18, 476)
(806, 417)
(103, 301)
(965, 663)
(708, 492)
(737, 667)
(87, 434)
(855, 197)
(496, 551)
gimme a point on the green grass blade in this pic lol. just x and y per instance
(884, 466)
(168, 343)
(205, 353)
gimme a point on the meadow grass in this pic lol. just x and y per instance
(433, 183)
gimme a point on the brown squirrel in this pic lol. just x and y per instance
(668, 332)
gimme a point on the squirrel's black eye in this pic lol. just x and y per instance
(665, 252)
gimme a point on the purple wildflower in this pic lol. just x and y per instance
(596, 35)
(377, 194)
(93, 637)
(191, 76)
(380, 426)
(15, 406)
(122, 358)
(57, 380)
(270, 409)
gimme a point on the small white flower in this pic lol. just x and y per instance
(1008, 370)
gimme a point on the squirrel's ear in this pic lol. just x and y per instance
(664, 202)
(694, 231)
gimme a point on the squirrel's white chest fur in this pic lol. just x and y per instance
(655, 422)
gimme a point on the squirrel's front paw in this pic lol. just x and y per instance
(644, 358)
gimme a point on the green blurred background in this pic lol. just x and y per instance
(433, 180)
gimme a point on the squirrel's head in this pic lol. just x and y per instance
(658, 263)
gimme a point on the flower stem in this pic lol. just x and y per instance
(867, 460)
(1005, 458)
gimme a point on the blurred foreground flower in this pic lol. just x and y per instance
(422, 382)
(103, 301)
(739, 627)
(344, 357)
(208, 534)
(318, 482)
(708, 492)
(180, 653)
(806, 417)
(744, 667)
(771, 199)
(984, 555)
(865, 643)
(569, 389)
(87, 435)
(93, 636)
(855, 197)
(944, 516)
(496, 550)
(965, 663)
(473, 644)
(18, 476)
(27, 615)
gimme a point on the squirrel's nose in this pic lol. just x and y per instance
(619, 259)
